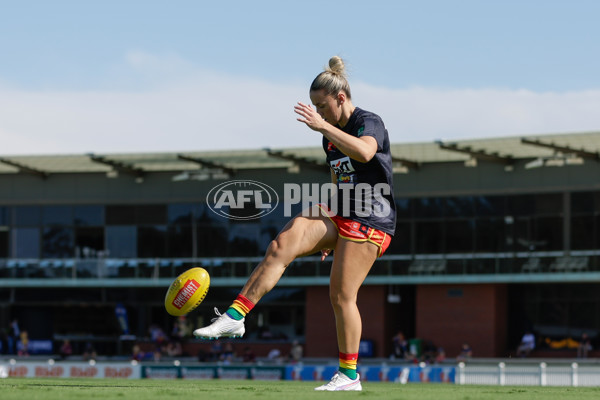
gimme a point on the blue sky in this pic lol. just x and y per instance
(138, 76)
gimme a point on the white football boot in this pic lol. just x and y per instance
(222, 326)
(341, 382)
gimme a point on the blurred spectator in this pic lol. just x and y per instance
(265, 333)
(227, 354)
(400, 347)
(89, 352)
(157, 354)
(585, 345)
(14, 334)
(296, 352)
(440, 356)
(137, 354)
(465, 352)
(274, 355)
(527, 344)
(66, 350)
(181, 328)
(174, 348)
(429, 352)
(202, 357)
(159, 338)
(157, 335)
(23, 344)
(216, 349)
(248, 356)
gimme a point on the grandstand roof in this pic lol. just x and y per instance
(504, 150)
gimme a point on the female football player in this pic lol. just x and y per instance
(357, 223)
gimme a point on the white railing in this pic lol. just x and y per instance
(541, 374)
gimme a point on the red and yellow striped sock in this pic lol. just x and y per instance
(348, 363)
(240, 307)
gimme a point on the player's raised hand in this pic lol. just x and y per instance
(309, 116)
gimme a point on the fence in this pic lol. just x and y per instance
(479, 373)
(541, 374)
(528, 265)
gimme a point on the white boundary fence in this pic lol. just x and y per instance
(473, 373)
(540, 374)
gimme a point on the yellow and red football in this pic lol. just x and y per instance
(187, 291)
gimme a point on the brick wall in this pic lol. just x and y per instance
(321, 340)
(450, 315)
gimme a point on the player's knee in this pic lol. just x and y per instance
(274, 247)
(281, 245)
(340, 299)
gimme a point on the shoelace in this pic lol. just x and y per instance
(334, 379)
(219, 315)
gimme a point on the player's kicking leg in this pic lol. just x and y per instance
(301, 236)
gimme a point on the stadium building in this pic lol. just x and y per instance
(494, 237)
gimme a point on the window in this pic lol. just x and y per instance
(26, 216)
(57, 215)
(538, 204)
(180, 241)
(4, 214)
(212, 240)
(152, 241)
(26, 243)
(401, 242)
(4, 232)
(189, 231)
(58, 242)
(183, 213)
(243, 239)
(490, 205)
(585, 220)
(151, 214)
(520, 235)
(89, 241)
(459, 236)
(429, 207)
(584, 203)
(121, 241)
(549, 204)
(490, 235)
(460, 206)
(3, 242)
(584, 232)
(404, 208)
(141, 214)
(429, 237)
(120, 215)
(88, 215)
(547, 233)
(521, 204)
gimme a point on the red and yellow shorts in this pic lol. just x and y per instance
(357, 232)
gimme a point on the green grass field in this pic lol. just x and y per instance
(67, 389)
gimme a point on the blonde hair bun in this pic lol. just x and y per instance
(336, 66)
(333, 79)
